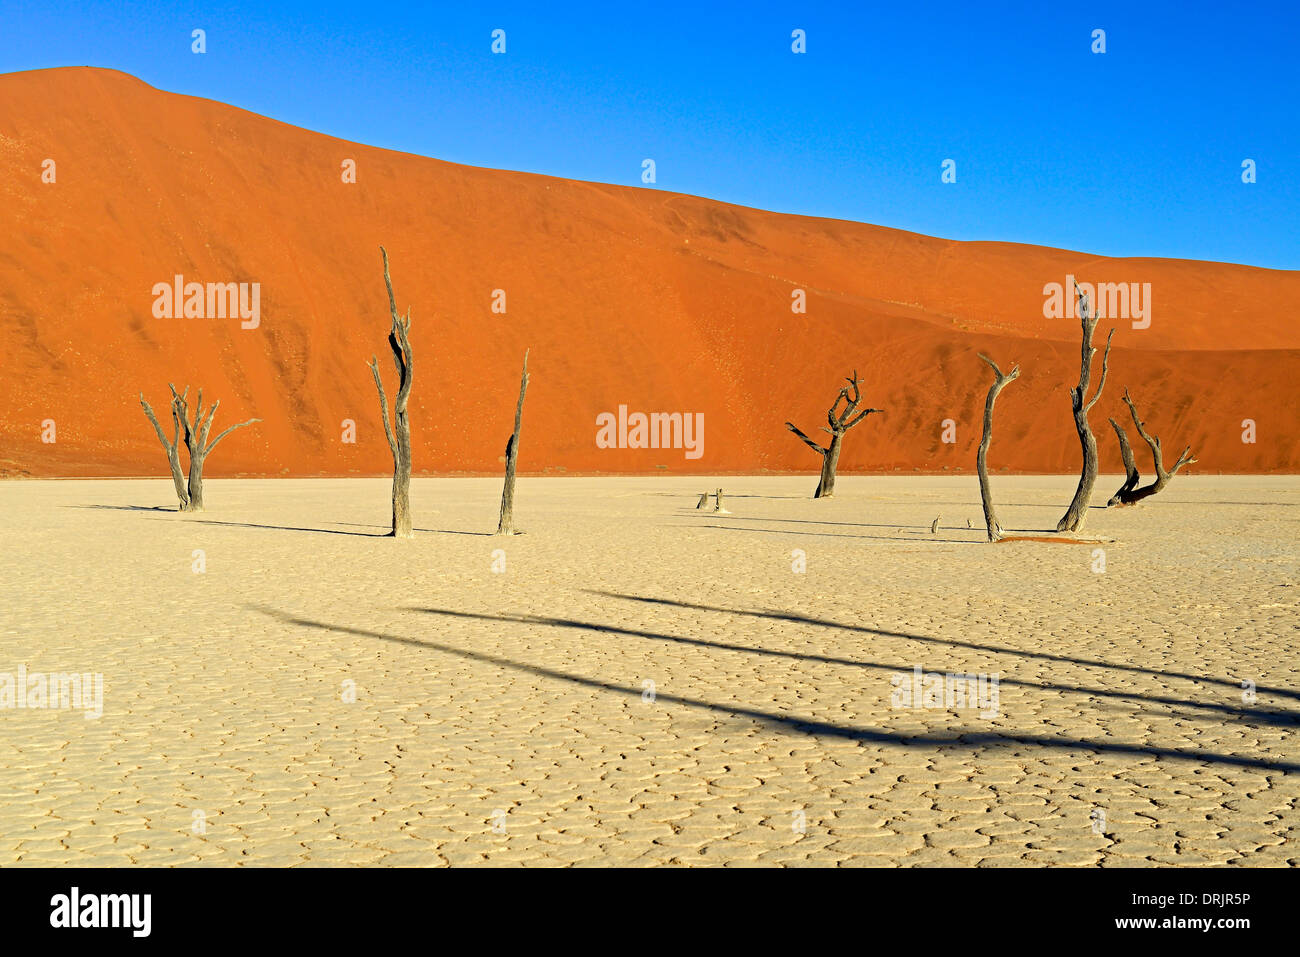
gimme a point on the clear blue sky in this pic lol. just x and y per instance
(1134, 152)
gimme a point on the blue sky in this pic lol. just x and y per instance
(1134, 152)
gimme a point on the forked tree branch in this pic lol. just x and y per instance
(383, 406)
(807, 441)
(1105, 364)
(153, 419)
(222, 435)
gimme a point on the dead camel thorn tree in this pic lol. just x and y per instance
(197, 445)
(506, 525)
(840, 421)
(173, 447)
(1000, 380)
(194, 432)
(1075, 515)
(1129, 492)
(400, 443)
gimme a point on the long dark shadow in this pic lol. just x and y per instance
(208, 521)
(1177, 501)
(975, 503)
(1051, 533)
(810, 521)
(791, 723)
(280, 528)
(924, 538)
(129, 508)
(286, 528)
(974, 646)
(431, 531)
(693, 496)
(1277, 717)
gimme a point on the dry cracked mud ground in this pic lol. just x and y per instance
(639, 682)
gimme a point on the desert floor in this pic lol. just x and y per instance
(507, 716)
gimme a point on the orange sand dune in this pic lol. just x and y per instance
(636, 297)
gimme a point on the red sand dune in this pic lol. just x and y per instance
(654, 300)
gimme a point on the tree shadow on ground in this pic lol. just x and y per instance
(726, 494)
(975, 504)
(196, 520)
(953, 642)
(129, 508)
(920, 529)
(287, 528)
(920, 537)
(792, 723)
(813, 521)
(1178, 501)
(431, 531)
(1274, 717)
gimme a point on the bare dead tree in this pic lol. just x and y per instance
(1157, 456)
(1131, 475)
(399, 444)
(173, 448)
(840, 421)
(195, 433)
(1075, 515)
(506, 526)
(1000, 380)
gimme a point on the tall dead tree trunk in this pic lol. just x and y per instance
(1131, 474)
(1076, 514)
(173, 448)
(840, 422)
(1000, 380)
(196, 440)
(1162, 476)
(399, 444)
(506, 525)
